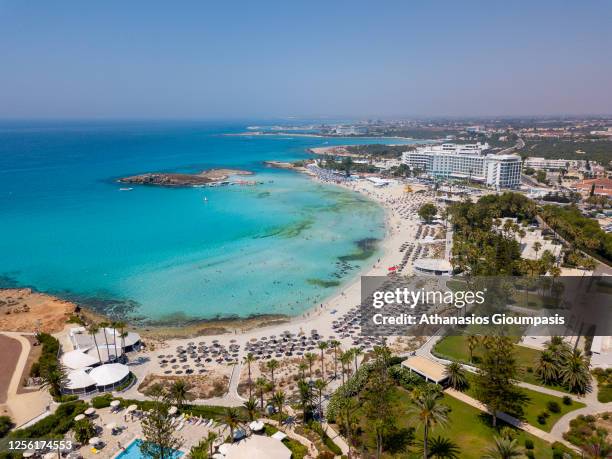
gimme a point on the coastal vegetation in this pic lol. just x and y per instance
(379, 151)
(591, 435)
(582, 232)
(604, 384)
(480, 250)
(592, 149)
(427, 212)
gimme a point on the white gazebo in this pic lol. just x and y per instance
(257, 447)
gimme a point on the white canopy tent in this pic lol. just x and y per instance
(109, 376)
(79, 382)
(75, 360)
(258, 447)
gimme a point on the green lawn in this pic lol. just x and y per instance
(468, 427)
(455, 348)
(538, 403)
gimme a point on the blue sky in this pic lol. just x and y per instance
(224, 59)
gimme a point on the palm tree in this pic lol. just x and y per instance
(305, 398)
(322, 347)
(251, 407)
(93, 330)
(356, 353)
(472, 343)
(456, 376)
(319, 385)
(335, 345)
(103, 326)
(598, 447)
(429, 412)
(575, 373)
(272, 365)
(547, 367)
(504, 448)
(310, 358)
(302, 366)
(210, 441)
(248, 359)
(53, 377)
(537, 246)
(261, 384)
(345, 360)
(120, 325)
(278, 400)
(231, 417)
(443, 448)
(179, 391)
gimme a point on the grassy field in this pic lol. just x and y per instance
(538, 403)
(455, 348)
(469, 428)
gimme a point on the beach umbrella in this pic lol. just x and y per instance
(132, 408)
(111, 426)
(89, 411)
(80, 417)
(115, 403)
(50, 455)
(29, 453)
(172, 410)
(94, 441)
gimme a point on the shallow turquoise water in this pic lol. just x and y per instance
(166, 254)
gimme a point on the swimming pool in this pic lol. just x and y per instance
(133, 452)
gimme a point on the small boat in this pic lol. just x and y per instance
(126, 189)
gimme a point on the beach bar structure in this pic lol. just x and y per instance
(102, 378)
(433, 266)
(429, 369)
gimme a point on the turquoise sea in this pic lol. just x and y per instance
(166, 255)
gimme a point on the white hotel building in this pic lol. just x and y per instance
(466, 162)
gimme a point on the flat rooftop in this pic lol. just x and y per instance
(429, 369)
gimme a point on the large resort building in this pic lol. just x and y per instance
(466, 162)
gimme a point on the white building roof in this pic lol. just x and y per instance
(77, 359)
(111, 373)
(258, 447)
(81, 339)
(79, 379)
(433, 264)
(429, 369)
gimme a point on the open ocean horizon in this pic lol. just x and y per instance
(161, 255)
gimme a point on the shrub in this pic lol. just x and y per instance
(530, 454)
(542, 418)
(48, 356)
(101, 401)
(6, 424)
(553, 407)
(529, 443)
(55, 425)
(567, 400)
